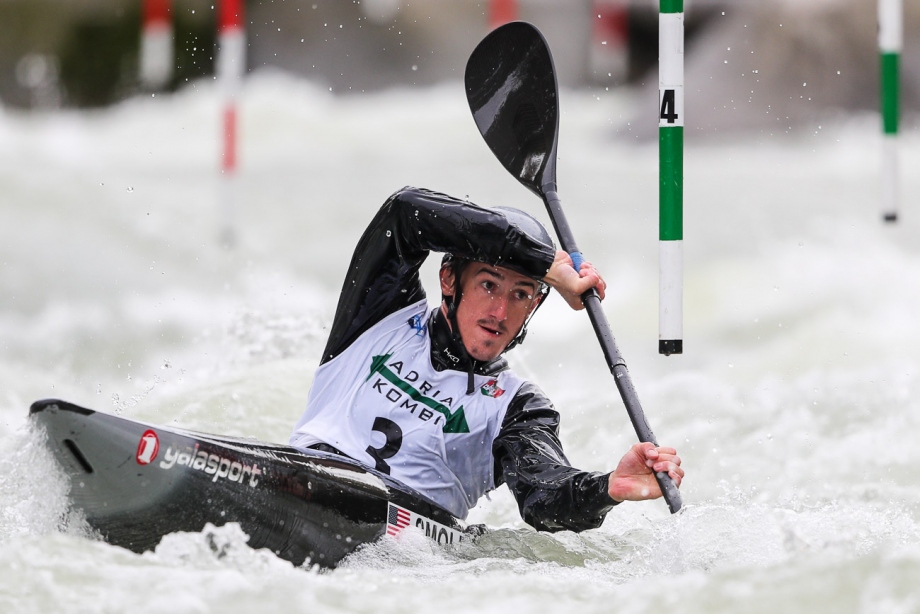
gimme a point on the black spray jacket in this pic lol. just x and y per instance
(383, 277)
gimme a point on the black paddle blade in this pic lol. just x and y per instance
(511, 87)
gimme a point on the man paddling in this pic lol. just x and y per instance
(424, 394)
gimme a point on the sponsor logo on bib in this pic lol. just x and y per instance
(491, 389)
(418, 323)
(425, 402)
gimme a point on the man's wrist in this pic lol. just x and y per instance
(610, 479)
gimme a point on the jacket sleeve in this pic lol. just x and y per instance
(383, 274)
(551, 494)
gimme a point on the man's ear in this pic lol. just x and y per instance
(446, 275)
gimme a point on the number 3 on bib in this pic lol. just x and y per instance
(394, 437)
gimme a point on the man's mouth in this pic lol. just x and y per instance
(492, 329)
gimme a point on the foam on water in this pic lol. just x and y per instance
(794, 407)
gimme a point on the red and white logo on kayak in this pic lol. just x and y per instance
(147, 448)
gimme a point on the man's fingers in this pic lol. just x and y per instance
(664, 460)
(588, 271)
(663, 456)
(667, 467)
(675, 471)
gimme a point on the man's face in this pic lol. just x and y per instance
(494, 305)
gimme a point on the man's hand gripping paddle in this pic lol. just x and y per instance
(511, 88)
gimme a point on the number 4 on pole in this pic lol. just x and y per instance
(668, 107)
(670, 176)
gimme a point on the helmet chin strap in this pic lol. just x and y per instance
(453, 302)
(519, 339)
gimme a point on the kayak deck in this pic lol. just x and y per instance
(135, 483)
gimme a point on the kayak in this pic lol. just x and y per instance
(135, 483)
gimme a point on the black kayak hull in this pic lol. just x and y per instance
(135, 483)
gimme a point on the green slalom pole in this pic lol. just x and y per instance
(670, 176)
(890, 41)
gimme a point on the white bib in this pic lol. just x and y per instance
(382, 402)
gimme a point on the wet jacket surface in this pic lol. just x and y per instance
(383, 277)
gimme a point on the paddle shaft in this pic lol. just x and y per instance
(612, 354)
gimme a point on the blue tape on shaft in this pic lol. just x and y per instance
(577, 260)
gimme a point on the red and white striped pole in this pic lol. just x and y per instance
(231, 64)
(609, 57)
(156, 62)
(501, 12)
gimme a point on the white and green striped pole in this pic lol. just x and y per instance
(670, 176)
(890, 41)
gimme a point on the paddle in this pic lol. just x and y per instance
(511, 88)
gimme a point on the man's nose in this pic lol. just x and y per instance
(498, 306)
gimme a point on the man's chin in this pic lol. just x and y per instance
(487, 352)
